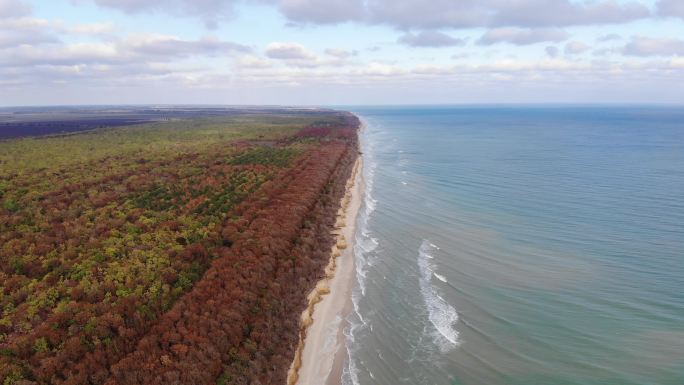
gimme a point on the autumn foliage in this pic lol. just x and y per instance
(179, 268)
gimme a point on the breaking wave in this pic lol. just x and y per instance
(441, 314)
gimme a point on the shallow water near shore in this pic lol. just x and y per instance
(520, 245)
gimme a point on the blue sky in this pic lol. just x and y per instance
(321, 52)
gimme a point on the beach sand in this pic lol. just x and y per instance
(322, 355)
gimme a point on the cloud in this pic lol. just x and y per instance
(609, 37)
(211, 12)
(575, 48)
(250, 61)
(13, 9)
(407, 14)
(648, 46)
(411, 14)
(295, 55)
(519, 36)
(375, 69)
(551, 51)
(91, 29)
(322, 11)
(671, 8)
(61, 55)
(606, 51)
(25, 30)
(34, 51)
(558, 13)
(171, 46)
(430, 39)
(134, 49)
(532, 80)
(288, 51)
(340, 53)
(33, 31)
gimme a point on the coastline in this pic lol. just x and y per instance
(321, 352)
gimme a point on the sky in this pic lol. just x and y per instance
(340, 52)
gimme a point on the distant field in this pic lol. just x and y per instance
(145, 140)
(103, 232)
(34, 121)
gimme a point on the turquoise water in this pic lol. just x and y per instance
(520, 245)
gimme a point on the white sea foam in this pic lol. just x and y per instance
(441, 314)
(440, 277)
(350, 373)
(364, 243)
(364, 246)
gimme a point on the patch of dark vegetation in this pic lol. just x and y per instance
(37, 121)
(41, 128)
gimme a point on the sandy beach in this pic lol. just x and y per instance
(321, 357)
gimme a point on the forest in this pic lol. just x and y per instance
(176, 252)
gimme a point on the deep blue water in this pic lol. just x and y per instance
(520, 245)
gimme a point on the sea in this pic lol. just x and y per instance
(519, 245)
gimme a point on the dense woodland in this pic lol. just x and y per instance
(175, 253)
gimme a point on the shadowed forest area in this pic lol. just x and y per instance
(175, 252)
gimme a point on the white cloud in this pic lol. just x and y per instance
(296, 55)
(210, 11)
(250, 61)
(648, 46)
(91, 29)
(671, 8)
(134, 49)
(37, 53)
(375, 69)
(411, 14)
(545, 80)
(609, 37)
(406, 14)
(322, 11)
(13, 9)
(61, 55)
(289, 51)
(25, 30)
(576, 48)
(340, 53)
(430, 39)
(34, 31)
(171, 46)
(551, 51)
(519, 36)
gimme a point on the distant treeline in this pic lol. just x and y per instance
(36, 121)
(188, 263)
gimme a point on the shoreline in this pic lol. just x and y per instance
(321, 353)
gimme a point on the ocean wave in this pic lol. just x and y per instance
(350, 373)
(441, 314)
(364, 243)
(364, 246)
(440, 277)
